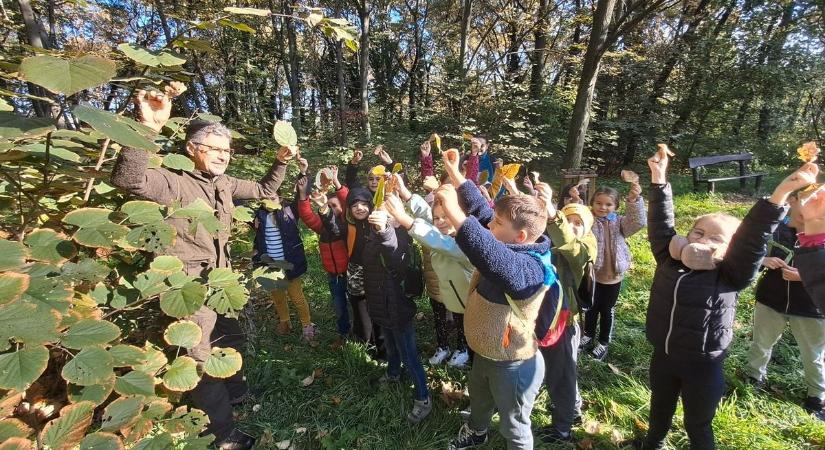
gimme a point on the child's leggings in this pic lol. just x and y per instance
(604, 304)
(445, 329)
(295, 291)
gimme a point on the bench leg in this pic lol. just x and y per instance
(711, 186)
(757, 184)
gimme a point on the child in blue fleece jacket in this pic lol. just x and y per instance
(513, 274)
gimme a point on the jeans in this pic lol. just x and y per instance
(605, 297)
(338, 289)
(560, 378)
(809, 333)
(401, 348)
(511, 388)
(701, 385)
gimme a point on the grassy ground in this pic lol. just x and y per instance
(340, 409)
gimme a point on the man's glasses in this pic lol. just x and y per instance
(212, 150)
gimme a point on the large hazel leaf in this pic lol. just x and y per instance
(135, 383)
(228, 301)
(92, 365)
(183, 333)
(66, 432)
(152, 237)
(48, 294)
(94, 227)
(153, 360)
(101, 441)
(166, 264)
(126, 355)
(88, 332)
(49, 246)
(178, 162)
(12, 286)
(122, 130)
(141, 212)
(184, 301)
(16, 443)
(23, 322)
(121, 413)
(223, 362)
(162, 441)
(191, 422)
(12, 255)
(16, 126)
(284, 134)
(67, 76)
(96, 393)
(19, 369)
(247, 11)
(10, 428)
(150, 58)
(200, 214)
(181, 375)
(150, 283)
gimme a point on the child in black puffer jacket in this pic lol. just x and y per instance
(693, 300)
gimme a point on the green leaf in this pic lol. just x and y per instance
(243, 214)
(94, 227)
(67, 76)
(228, 301)
(153, 360)
(178, 162)
(120, 129)
(49, 246)
(12, 255)
(209, 117)
(182, 374)
(126, 355)
(101, 441)
(86, 137)
(39, 150)
(5, 106)
(200, 214)
(161, 441)
(247, 11)
(96, 393)
(141, 212)
(16, 126)
(198, 45)
(48, 294)
(90, 332)
(11, 427)
(92, 365)
(223, 278)
(18, 370)
(12, 286)
(179, 279)
(236, 25)
(191, 422)
(23, 322)
(183, 333)
(68, 430)
(152, 237)
(166, 264)
(150, 283)
(135, 383)
(284, 134)
(121, 413)
(86, 270)
(185, 301)
(150, 58)
(223, 362)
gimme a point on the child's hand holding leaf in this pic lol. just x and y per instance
(658, 164)
(287, 153)
(545, 193)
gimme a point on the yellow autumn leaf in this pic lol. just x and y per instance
(808, 152)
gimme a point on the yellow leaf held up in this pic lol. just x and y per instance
(508, 171)
(437, 139)
(808, 152)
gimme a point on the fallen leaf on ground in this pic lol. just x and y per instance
(336, 400)
(318, 373)
(614, 369)
(308, 380)
(266, 438)
(301, 430)
(640, 425)
(451, 393)
(283, 445)
(586, 443)
(256, 408)
(616, 436)
(592, 427)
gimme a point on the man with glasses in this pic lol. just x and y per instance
(208, 145)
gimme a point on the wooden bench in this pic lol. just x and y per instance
(698, 164)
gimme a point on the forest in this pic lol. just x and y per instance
(94, 330)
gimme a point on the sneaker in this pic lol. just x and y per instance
(237, 440)
(468, 438)
(599, 352)
(585, 342)
(309, 334)
(459, 358)
(283, 328)
(421, 409)
(440, 355)
(577, 420)
(755, 382)
(550, 435)
(464, 414)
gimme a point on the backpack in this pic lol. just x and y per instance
(545, 330)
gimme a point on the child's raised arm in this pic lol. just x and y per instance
(660, 218)
(469, 196)
(635, 217)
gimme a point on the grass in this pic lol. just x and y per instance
(341, 409)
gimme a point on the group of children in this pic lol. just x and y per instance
(494, 263)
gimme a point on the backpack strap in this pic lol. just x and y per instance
(549, 280)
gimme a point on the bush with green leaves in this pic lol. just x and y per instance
(93, 329)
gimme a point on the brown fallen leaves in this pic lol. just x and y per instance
(629, 176)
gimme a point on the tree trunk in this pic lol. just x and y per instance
(540, 44)
(565, 73)
(580, 120)
(364, 66)
(772, 92)
(36, 36)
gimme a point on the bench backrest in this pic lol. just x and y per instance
(700, 161)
